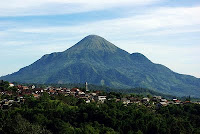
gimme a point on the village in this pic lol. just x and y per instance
(87, 95)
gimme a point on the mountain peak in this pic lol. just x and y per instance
(95, 43)
(93, 36)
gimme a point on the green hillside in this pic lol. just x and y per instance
(100, 62)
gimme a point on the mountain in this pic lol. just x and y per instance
(100, 62)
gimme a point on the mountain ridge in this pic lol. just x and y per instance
(97, 61)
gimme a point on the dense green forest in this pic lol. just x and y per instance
(66, 114)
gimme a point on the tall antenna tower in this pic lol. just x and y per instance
(86, 86)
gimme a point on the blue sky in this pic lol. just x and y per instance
(166, 31)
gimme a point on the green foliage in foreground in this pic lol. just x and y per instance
(66, 115)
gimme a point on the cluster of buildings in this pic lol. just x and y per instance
(156, 101)
(22, 91)
(7, 103)
(37, 92)
(87, 95)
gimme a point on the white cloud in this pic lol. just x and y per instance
(49, 7)
(159, 21)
